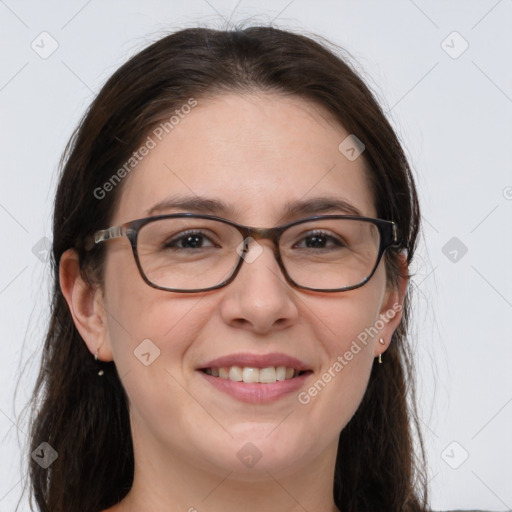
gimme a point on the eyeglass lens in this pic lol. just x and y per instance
(193, 253)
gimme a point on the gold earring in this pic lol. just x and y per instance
(101, 372)
(382, 342)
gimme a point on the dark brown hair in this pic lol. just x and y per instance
(84, 417)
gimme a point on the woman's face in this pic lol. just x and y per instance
(257, 154)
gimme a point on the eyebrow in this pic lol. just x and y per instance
(320, 205)
(197, 204)
(194, 204)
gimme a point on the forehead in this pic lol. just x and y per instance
(257, 154)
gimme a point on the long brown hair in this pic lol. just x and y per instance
(83, 417)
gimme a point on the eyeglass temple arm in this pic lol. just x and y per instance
(108, 234)
(395, 233)
(391, 237)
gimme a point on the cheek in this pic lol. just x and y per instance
(149, 329)
(343, 327)
(341, 321)
(151, 333)
(154, 320)
(337, 390)
(341, 318)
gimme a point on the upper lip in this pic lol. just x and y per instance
(256, 361)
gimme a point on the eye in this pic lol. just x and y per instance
(319, 240)
(192, 239)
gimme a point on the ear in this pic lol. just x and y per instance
(86, 305)
(392, 307)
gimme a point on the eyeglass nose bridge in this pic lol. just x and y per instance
(263, 233)
(255, 234)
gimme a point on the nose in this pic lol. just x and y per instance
(259, 298)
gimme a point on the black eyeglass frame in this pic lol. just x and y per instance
(388, 236)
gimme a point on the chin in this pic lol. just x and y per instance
(254, 456)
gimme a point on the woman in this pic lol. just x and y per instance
(193, 362)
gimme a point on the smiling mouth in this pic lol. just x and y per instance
(250, 375)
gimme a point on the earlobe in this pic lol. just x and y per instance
(86, 306)
(392, 308)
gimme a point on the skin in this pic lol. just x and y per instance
(256, 152)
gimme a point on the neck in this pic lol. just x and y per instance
(168, 483)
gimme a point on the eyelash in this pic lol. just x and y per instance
(169, 244)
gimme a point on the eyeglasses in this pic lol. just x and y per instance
(187, 252)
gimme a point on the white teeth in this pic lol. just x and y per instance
(281, 373)
(249, 374)
(235, 373)
(268, 375)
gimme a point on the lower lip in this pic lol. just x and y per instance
(256, 393)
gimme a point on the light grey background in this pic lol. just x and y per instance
(452, 111)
